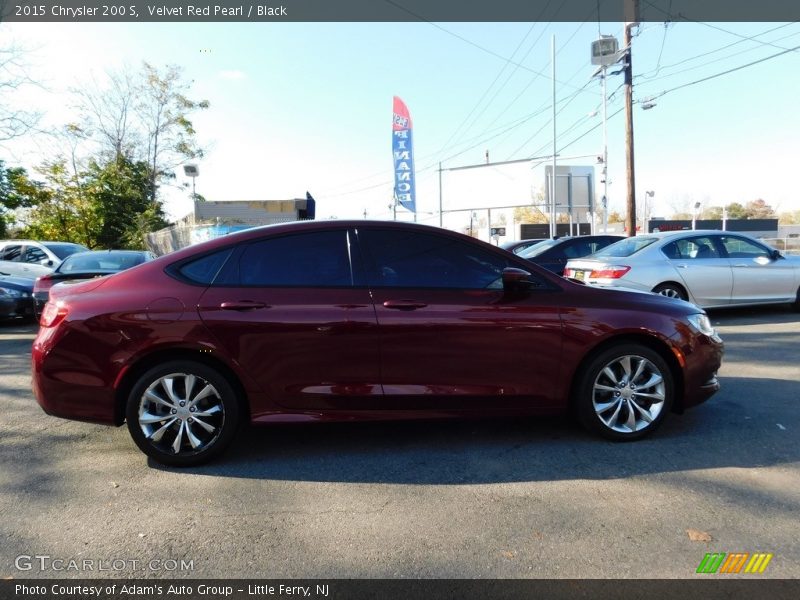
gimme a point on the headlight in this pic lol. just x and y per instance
(9, 293)
(702, 324)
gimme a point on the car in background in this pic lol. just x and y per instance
(86, 265)
(553, 254)
(520, 245)
(712, 269)
(320, 321)
(16, 297)
(29, 259)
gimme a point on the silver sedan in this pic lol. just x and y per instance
(713, 269)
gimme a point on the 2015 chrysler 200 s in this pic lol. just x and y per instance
(319, 321)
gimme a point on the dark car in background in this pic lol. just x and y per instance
(16, 297)
(359, 320)
(87, 265)
(520, 245)
(553, 254)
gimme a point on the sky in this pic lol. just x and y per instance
(298, 107)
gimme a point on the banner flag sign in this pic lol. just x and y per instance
(403, 156)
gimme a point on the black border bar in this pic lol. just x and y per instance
(704, 587)
(396, 10)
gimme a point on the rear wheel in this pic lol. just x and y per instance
(182, 413)
(625, 392)
(796, 304)
(671, 290)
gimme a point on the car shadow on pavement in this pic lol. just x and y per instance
(758, 431)
(753, 315)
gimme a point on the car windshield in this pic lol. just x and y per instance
(110, 262)
(538, 248)
(63, 250)
(625, 247)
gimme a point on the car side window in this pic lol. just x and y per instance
(737, 247)
(33, 255)
(691, 248)
(11, 253)
(413, 259)
(578, 249)
(205, 269)
(317, 259)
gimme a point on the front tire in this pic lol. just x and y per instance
(182, 413)
(625, 392)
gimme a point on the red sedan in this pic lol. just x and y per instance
(352, 320)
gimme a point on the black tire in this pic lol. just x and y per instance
(608, 411)
(671, 290)
(176, 422)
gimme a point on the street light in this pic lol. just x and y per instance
(694, 215)
(644, 212)
(192, 171)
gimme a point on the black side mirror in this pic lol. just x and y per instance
(775, 254)
(517, 279)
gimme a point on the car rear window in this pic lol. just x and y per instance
(538, 249)
(101, 261)
(63, 250)
(626, 247)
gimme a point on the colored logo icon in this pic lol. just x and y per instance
(736, 562)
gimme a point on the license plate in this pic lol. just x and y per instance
(580, 275)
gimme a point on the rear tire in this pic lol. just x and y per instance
(671, 290)
(182, 413)
(795, 306)
(625, 392)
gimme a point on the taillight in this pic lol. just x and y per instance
(609, 272)
(43, 283)
(569, 272)
(52, 314)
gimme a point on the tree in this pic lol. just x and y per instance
(144, 117)
(14, 121)
(529, 214)
(759, 209)
(165, 111)
(15, 193)
(615, 217)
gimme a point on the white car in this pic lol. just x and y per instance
(712, 269)
(29, 259)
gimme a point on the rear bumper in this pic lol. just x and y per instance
(16, 307)
(66, 389)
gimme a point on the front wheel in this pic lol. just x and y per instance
(182, 413)
(625, 392)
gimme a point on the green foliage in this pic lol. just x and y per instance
(105, 206)
(15, 193)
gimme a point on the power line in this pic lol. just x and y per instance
(739, 68)
(652, 75)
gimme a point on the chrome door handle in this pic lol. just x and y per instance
(404, 304)
(242, 305)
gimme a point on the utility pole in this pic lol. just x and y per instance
(632, 14)
(553, 228)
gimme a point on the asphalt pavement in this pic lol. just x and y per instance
(470, 499)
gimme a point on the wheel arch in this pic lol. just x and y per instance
(653, 343)
(673, 283)
(163, 355)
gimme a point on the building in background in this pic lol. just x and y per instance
(213, 219)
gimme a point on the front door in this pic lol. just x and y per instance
(450, 337)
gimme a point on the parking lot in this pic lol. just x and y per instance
(505, 499)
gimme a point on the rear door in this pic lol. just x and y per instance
(294, 312)
(702, 269)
